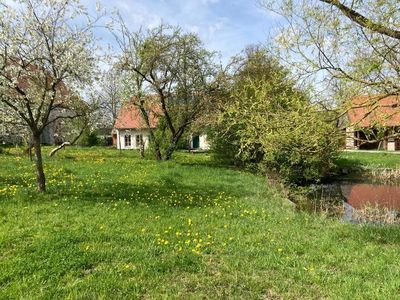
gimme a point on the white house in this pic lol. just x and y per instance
(130, 130)
(199, 142)
(132, 138)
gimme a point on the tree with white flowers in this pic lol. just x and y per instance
(46, 56)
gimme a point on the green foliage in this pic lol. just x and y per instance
(222, 149)
(272, 122)
(303, 148)
(172, 71)
(88, 139)
(183, 143)
(92, 140)
(226, 149)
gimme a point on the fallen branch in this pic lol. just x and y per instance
(54, 151)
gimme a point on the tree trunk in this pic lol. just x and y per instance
(157, 153)
(173, 143)
(141, 147)
(29, 151)
(55, 150)
(171, 148)
(155, 145)
(169, 151)
(40, 178)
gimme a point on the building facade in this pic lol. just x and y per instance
(131, 132)
(372, 123)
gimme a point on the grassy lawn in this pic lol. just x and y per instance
(115, 226)
(369, 160)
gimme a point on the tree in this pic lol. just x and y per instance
(46, 56)
(273, 122)
(170, 72)
(351, 46)
(363, 21)
(110, 96)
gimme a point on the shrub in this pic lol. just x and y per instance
(303, 148)
(92, 139)
(274, 124)
(226, 149)
(88, 139)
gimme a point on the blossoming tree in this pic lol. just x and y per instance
(46, 56)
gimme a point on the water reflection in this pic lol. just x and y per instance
(371, 202)
(362, 194)
(360, 202)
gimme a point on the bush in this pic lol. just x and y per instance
(223, 151)
(225, 148)
(92, 139)
(274, 124)
(88, 139)
(303, 148)
(183, 143)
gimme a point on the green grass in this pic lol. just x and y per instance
(114, 226)
(369, 160)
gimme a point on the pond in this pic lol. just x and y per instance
(369, 201)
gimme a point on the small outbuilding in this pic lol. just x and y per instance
(372, 123)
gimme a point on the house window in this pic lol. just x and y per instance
(139, 140)
(127, 140)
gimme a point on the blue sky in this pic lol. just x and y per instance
(223, 25)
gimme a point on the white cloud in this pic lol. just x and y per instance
(223, 25)
(221, 22)
(209, 1)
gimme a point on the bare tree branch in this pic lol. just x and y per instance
(364, 21)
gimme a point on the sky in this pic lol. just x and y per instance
(224, 26)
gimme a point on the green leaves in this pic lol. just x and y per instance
(275, 123)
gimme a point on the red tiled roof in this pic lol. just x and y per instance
(130, 117)
(366, 111)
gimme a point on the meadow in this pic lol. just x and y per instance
(370, 160)
(114, 226)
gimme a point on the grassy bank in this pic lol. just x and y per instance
(112, 226)
(369, 160)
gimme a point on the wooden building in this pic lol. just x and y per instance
(372, 123)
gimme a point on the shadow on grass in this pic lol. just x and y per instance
(169, 192)
(13, 180)
(349, 163)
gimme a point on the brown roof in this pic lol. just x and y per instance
(130, 117)
(367, 111)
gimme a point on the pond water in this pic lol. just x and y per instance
(371, 202)
(375, 202)
(361, 194)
